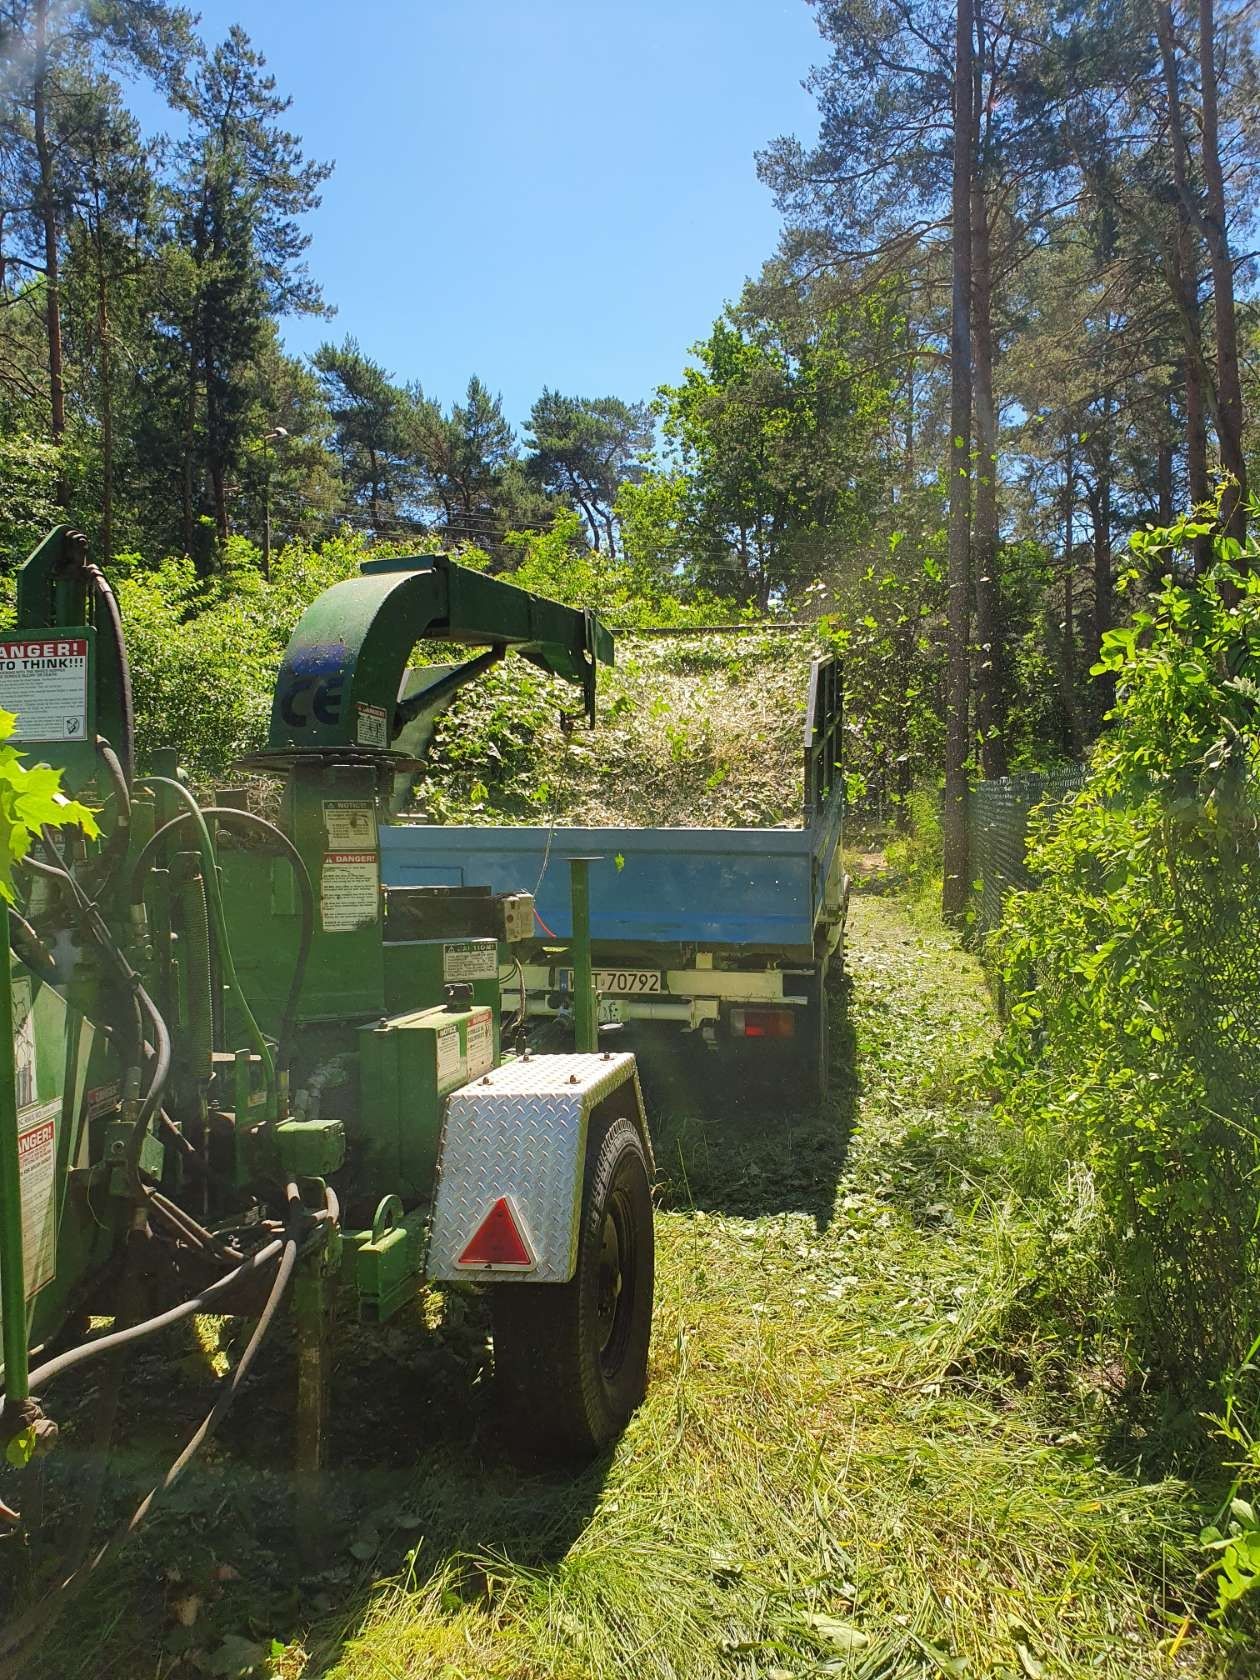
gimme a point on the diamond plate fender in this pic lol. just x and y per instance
(520, 1132)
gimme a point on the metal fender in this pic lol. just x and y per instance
(511, 1158)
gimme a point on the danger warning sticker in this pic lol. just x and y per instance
(373, 730)
(37, 1154)
(451, 1063)
(470, 959)
(348, 891)
(45, 683)
(480, 1045)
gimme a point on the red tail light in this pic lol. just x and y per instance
(498, 1240)
(763, 1023)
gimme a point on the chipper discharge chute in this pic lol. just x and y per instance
(245, 1072)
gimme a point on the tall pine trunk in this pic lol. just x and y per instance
(1164, 467)
(52, 250)
(956, 877)
(104, 331)
(1100, 519)
(990, 722)
(1185, 281)
(1229, 414)
(1067, 642)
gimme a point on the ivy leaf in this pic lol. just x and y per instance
(20, 1448)
(30, 799)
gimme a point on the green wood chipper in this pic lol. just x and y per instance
(243, 1072)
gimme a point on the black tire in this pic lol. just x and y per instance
(571, 1358)
(812, 1051)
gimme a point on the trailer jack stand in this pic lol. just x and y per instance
(313, 1299)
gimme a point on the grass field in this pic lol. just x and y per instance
(860, 1455)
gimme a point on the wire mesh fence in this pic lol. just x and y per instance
(997, 815)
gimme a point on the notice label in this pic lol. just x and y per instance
(350, 824)
(23, 1045)
(37, 1155)
(371, 730)
(450, 1058)
(471, 959)
(45, 683)
(480, 1045)
(103, 1099)
(348, 891)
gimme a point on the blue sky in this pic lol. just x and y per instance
(554, 192)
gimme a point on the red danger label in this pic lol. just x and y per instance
(15, 651)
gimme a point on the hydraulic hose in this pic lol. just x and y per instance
(108, 601)
(114, 851)
(210, 872)
(191, 1229)
(30, 949)
(162, 1039)
(42, 1375)
(247, 820)
(17, 1637)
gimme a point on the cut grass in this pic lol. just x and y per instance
(820, 1481)
(851, 1460)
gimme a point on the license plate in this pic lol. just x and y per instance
(618, 982)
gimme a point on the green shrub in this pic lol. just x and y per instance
(914, 857)
(1133, 1045)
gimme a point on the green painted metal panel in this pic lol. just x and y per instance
(407, 1065)
(339, 683)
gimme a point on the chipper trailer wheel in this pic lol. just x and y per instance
(571, 1359)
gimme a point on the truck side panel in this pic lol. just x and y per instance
(748, 888)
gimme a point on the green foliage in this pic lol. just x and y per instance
(202, 664)
(773, 464)
(1234, 1538)
(28, 508)
(626, 592)
(584, 449)
(914, 854)
(886, 624)
(30, 799)
(1132, 1046)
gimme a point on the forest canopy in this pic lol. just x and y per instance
(1000, 334)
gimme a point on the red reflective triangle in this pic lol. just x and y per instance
(497, 1241)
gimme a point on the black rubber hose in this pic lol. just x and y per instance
(17, 1637)
(114, 852)
(191, 1229)
(246, 819)
(204, 1302)
(121, 791)
(30, 949)
(161, 1036)
(100, 586)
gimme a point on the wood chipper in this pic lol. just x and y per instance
(244, 1071)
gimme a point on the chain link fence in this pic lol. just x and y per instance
(997, 814)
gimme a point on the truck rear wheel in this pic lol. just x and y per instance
(571, 1358)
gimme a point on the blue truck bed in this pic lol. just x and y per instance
(724, 932)
(759, 890)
